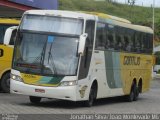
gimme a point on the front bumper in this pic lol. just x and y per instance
(60, 92)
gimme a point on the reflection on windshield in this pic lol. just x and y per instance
(47, 54)
(61, 54)
(32, 47)
(52, 24)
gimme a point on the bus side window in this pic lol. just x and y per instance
(126, 44)
(2, 32)
(149, 38)
(99, 43)
(110, 40)
(101, 36)
(137, 42)
(128, 36)
(142, 42)
(118, 44)
(111, 37)
(1, 36)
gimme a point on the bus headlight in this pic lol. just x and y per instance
(16, 77)
(68, 83)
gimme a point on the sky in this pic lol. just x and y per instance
(143, 2)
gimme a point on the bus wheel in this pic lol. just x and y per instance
(136, 93)
(92, 96)
(34, 99)
(133, 94)
(5, 83)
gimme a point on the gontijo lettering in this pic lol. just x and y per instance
(131, 60)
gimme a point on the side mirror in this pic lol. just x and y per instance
(10, 32)
(82, 42)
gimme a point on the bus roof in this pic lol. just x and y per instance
(9, 21)
(143, 28)
(134, 27)
(106, 16)
(61, 13)
(122, 22)
(76, 14)
(92, 15)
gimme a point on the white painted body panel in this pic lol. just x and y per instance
(65, 93)
(60, 92)
(100, 73)
(8, 34)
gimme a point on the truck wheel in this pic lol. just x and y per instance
(34, 99)
(5, 83)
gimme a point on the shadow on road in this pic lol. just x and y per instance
(52, 103)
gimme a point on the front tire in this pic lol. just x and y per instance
(34, 99)
(92, 96)
(5, 83)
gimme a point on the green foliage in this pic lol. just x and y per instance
(136, 14)
(157, 31)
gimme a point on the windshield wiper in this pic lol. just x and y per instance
(50, 56)
(39, 58)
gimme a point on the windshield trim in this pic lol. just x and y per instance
(42, 69)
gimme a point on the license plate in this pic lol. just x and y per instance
(40, 90)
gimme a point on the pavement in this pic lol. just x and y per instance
(19, 105)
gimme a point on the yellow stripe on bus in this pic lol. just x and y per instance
(9, 21)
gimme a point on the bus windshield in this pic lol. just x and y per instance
(46, 54)
(47, 45)
(52, 24)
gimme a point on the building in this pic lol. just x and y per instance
(15, 8)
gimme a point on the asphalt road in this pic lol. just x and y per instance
(148, 102)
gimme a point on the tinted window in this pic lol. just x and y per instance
(2, 32)
(119, 41)
(101, 36)
(12, 40)
(149, 38)
(110, 37)
(138, 39)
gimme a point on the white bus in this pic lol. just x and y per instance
(80, 56)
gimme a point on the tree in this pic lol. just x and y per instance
(108, 0)
(131, 2)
